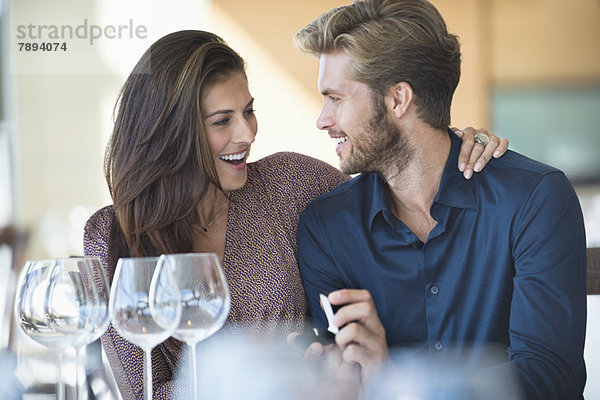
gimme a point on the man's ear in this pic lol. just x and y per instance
(399, 98)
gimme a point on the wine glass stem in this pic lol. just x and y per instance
(60, 389)
(79, 371)
(148, 374)
(194, 372)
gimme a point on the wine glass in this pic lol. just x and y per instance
(144, 307)
(96, 290)
(57, 305)
(205, 299)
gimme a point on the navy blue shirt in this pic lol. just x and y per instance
(504, 264)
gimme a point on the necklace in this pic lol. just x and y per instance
(212, 221)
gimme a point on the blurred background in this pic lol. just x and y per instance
(531, 73)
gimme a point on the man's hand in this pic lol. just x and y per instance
(362, 337)
(343, 380)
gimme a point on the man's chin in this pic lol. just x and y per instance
(347, 169)
(342, 166)
(350, 166)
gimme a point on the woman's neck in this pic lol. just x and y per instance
(212, 217)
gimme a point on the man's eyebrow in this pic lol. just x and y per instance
(329, 92)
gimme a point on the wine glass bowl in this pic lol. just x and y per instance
(31, 305)
(132, 314)
(204, 294)
(59, 304)
(96, 290)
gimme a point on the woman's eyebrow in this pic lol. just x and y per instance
(228, 111)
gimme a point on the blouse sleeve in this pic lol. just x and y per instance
(126, 359)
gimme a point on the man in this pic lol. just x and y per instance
(413, 253)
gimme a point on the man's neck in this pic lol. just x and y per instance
(412, 191)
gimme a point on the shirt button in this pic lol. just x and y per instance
(416, 245)
(434, 289)
(438, 346)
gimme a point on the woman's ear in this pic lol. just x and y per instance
(399, 99)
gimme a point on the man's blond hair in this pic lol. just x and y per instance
(393, 41)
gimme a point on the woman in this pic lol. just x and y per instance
(177, 172)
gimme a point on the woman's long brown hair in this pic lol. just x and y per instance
(158, 164)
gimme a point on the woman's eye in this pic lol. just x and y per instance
(220, 122)
(334, 99)
(249, 112)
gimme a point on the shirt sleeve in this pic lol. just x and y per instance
(317, 268)
(548, 308)
(126, 359)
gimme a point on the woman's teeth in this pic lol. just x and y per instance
(234, 158)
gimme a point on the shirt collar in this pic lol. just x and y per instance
(379, 201)
(455, 190)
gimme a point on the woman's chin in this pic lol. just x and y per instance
(234, 184)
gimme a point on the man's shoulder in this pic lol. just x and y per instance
(350, 193)
(519, 173)
(519, 180)
(513, 161)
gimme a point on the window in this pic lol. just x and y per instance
(559, 126)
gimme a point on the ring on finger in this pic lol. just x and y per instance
(482, 139)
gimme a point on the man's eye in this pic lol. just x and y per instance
(334, 99)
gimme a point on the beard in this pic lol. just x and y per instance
(380, 146)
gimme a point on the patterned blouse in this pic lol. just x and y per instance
(267, 297)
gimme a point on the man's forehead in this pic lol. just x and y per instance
(336, 63)
(333, 71)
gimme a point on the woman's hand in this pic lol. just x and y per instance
(474, 156)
